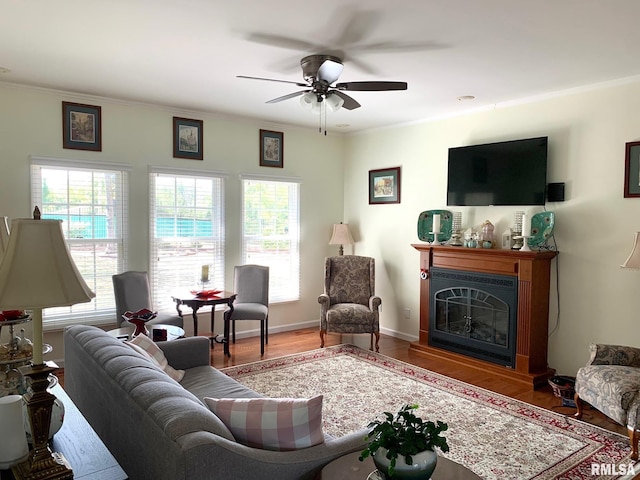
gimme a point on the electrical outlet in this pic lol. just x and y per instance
(407, 313)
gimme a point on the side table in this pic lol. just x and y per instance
(348, 467)
(195, 302)
(125, 333)
(79, 443)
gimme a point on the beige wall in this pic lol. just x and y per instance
(139, 136)
(598, 301)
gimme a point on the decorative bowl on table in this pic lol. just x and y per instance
(206, 293)
(139, 319)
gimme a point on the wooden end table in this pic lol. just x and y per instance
(195, 302)
(348, 467)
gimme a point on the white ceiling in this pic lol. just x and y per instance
(186, 54)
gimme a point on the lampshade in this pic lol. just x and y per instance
(37, 270)
(633, 260)
(4, 235)
(334, 101)
(341, 235)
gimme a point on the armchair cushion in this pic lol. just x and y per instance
(350, 280)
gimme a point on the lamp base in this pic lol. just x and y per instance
(41, 463)
(55, 468)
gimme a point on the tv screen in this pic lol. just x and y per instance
(503, 173)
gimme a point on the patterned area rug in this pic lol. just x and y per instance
(495, 436)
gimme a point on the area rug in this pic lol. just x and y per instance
(495, 436)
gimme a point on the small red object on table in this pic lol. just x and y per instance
(139, 319)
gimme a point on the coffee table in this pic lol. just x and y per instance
(348, 467)
(124, 333)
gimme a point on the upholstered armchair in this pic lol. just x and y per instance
(610, 382)
(349, 303)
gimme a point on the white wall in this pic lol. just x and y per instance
(595, 226)
(140, 135)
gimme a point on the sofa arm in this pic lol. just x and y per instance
(602, 354)
(189, 352)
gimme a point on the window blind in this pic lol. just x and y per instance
(271, 232)
(187, 232)
(91, 199)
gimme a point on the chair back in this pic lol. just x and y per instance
(349, 279)
(251, 284)
(132, 293)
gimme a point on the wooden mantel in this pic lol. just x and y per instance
(533, 272)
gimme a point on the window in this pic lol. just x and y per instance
(271, 232)
(187, 232)
(91, 201)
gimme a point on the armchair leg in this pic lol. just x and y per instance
(579, 406)
(634, 435)
(377, 334)
(322, 334)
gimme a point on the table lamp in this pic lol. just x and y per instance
(37, 272)
(341, 236)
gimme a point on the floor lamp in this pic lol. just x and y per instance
(37, 272)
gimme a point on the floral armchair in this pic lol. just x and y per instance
(610, 382)
(349, 303)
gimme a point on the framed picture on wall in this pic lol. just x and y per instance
(81, 126)
(187, 138)
(632, 170)
(384, 186)
(271, 149)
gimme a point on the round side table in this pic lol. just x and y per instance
(348, 467)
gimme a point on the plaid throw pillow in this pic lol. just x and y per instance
(145, 346)
(271, 423)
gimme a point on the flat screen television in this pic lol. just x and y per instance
(503, 173)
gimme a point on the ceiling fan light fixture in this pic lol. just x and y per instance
(308, 100)
(335, 102)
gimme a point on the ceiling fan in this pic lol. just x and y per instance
(320, 73)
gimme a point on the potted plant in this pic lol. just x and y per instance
(405, 443)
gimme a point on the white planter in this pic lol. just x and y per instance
(424, 463)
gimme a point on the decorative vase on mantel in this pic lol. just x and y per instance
(423, 466)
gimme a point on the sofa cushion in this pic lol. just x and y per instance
(147, 347)
(272, 423)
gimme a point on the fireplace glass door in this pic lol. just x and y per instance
(474, 314)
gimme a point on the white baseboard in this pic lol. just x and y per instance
(400, 335)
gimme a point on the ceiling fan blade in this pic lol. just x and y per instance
(280, 41)
(329, 71)
(371, 86)
(288, 96)
(300, 84)
(349, 103)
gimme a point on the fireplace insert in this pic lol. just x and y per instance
(474, 314)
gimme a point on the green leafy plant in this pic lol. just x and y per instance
(404, 434)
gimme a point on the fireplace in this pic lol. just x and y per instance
(474, 314)
(487, 309)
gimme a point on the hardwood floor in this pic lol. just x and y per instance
(247, 350)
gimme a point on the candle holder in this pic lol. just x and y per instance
(523, 242)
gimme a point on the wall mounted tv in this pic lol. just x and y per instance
(503, 173)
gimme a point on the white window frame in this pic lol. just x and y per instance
(169, 276)
(284, 269)
(101, 309)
